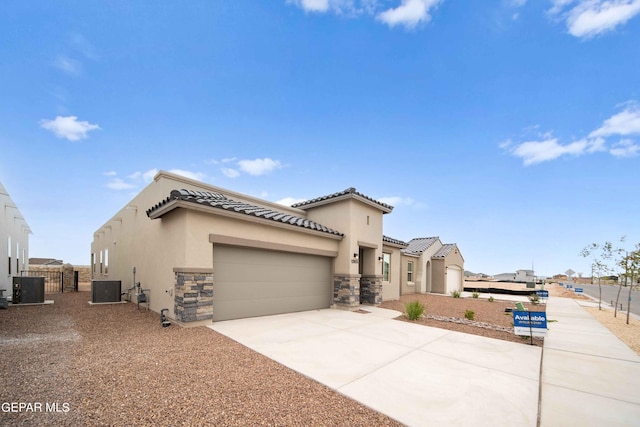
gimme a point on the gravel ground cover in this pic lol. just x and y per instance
(490, 318)
(628, 333)
(115, 365)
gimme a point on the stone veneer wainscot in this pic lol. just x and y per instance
(193, 298)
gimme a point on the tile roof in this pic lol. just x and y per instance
(386, 239)
(419, 245)
(346, 192)
(219, 201)
(444, 250)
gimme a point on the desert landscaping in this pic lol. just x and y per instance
(116, 365)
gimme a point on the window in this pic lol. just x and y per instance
(106, 261)
(386, 267)
(100, 262)
(9, 252)
(410, 271)
(93, 263)
(17, 257)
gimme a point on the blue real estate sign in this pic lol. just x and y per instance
(543, 294)
(538, 326)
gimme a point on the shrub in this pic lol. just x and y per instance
(469, 314)
(535, 299)
(456, 294)
(476, 294)
(491, 299)
(414, 310)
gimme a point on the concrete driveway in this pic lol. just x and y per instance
(418, 375)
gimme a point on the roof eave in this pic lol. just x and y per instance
(347, 196)
(174, 204)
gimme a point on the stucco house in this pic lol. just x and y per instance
(14, 241)
(210, 253)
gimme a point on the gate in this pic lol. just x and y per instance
(53, 280)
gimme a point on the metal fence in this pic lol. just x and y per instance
(53, 280)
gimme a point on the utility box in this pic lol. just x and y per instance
(28, 290)
(105, 291)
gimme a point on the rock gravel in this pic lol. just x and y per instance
(446, 312)
(77, 364)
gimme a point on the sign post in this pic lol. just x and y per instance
(542, 294)
(530, 323)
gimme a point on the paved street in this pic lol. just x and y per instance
(609, 293)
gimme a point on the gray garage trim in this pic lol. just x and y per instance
(252, 282)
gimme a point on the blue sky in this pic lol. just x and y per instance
(511, 128)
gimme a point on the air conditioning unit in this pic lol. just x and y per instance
(28, 290)
(105, 291)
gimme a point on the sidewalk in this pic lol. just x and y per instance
(589, 377)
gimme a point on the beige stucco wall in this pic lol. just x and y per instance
(180, 239)
(407, 287)
(424, 282)
(391, 289)
(438, 285)
(361, 224)
(454, 258)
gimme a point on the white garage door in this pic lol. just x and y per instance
(454, 279)
(255, 282)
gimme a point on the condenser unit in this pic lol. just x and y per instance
(28, 290)
(105, 291)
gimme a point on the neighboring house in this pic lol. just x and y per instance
(504, 277)
(525, 276)
(427, 265)
(210, 253)
(14, 241)
(519, 276)
(45, 261)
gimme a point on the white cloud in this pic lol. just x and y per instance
(259, 167)
(110, 173)
(589, 18)
(217, 162)
(288, 201)
(311, 5)
(119, 184)
(135, 179)
(68, 65)
(533, 152)
(626, 122)
(339, 7)
(197, 176)
(145, 177)
(396, 200)
(68, 127)
(230, 173)
(409, 14)
(625, 148)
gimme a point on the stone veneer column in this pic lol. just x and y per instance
(67, 278)
(346, 290)
(193, 298)
(371, 290)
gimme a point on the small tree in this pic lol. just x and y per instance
(599, 266)
(631, 262)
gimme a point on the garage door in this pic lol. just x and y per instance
(255, 282)
(454, 279)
